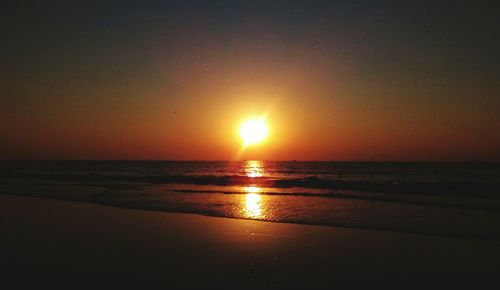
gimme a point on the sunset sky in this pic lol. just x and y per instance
(336, 80)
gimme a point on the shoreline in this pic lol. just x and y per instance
(60, 242)
(134, 206)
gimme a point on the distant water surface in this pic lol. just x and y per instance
(450, 199)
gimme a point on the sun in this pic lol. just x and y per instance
(253, 131)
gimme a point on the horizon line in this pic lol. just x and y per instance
(264, 160)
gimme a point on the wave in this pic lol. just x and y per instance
(457, 204)
(457, 189)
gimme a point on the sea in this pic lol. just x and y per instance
(453, 199)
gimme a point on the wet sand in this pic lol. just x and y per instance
(66, 245)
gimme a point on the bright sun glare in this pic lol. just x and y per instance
(253, 131)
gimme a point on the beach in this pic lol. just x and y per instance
(250, 145)
(61, 244)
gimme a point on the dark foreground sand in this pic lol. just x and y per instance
(65, 245)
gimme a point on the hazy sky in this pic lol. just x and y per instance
(337, 80)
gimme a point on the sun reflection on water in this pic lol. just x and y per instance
(253, 202)
(254, 168)
(253, 205)
(252, 189)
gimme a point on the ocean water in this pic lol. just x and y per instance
(445, 199)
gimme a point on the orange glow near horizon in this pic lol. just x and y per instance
(183, 88)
